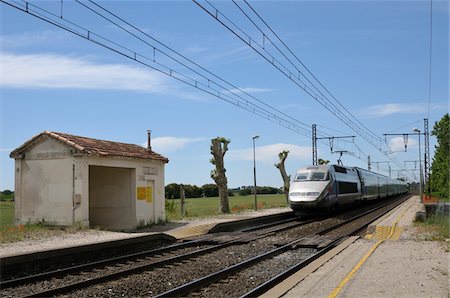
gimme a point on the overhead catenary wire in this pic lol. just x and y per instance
(234, 97)
(366, 134)
(72, 27)
(306, 68)
(261, 50)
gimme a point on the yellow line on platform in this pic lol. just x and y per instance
(349, 276)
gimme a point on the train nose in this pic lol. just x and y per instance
(303, 196)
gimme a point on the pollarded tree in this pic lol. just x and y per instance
(286, 179)
(439, 179)
(219, 146)
(323, 161)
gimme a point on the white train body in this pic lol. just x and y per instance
(327, 186)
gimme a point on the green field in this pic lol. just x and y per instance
(6, 214)
(196, 207)
(204, 207)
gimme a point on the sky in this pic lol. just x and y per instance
(374, 57)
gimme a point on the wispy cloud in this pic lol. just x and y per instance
(171, 144)
(397, 144)
(195, 49)
(6, 150)
(58, 72)
(27, 39)
(383, 110)
(269, 153)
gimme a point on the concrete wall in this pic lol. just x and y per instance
(44, 184)
(111, 197)
(52, 183)
(147, 173)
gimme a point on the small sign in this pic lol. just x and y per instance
(141, 193)
(150, 171)
(145, 193)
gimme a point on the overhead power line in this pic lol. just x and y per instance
(199, 77)
(203, 79)
(296, 75)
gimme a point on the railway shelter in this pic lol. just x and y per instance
(63, 179)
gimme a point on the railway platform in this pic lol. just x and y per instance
(173, 230)
(390, 261)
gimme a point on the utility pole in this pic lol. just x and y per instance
(427, 163)
(369, 166)
(330, 139)
(314, 144)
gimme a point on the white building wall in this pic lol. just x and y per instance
(45, 185)
(52, 184)
(147, 212)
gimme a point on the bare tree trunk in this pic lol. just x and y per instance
(286, 179)
(219, 147)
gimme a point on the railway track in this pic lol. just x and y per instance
(293, 255)
(119, 272)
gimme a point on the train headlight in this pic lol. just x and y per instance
(295, 194)
(312, 194)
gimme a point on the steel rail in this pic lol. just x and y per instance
(198, 283)
(264, 287)
(147, 253)
(90, 265)
(110, 276)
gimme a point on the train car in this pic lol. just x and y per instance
(326, 187)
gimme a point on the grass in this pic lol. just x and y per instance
(31, 230)
(206, 207)
(435, 227)
(195, 207)
(6, 214)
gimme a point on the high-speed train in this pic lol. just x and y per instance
(330, 186)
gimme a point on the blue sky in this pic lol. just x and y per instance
(372, 55)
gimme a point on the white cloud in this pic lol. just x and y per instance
(170, 144)
(27, 39)
(56, 71)
(397, 144)
(269, 153)
(378, 111)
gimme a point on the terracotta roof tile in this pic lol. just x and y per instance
(91, 146)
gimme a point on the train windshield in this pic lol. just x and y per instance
(311, 176)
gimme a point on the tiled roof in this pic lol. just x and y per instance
(91, 146)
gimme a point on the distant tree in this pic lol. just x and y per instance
(245, 191)
(172, 191)
(210, 190)
(323, 161)
(286, 179)
(219, 146)
(7, 192)
(439, 178)
(266, 190)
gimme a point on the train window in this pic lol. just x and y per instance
(303, 176)
(340, 169)
(347, 187)
(317, 176)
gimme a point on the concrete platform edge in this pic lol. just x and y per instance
(372, 227)
(283, 287)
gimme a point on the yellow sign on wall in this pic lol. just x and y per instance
(149, 194)
(145, 193)
(141, 193)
